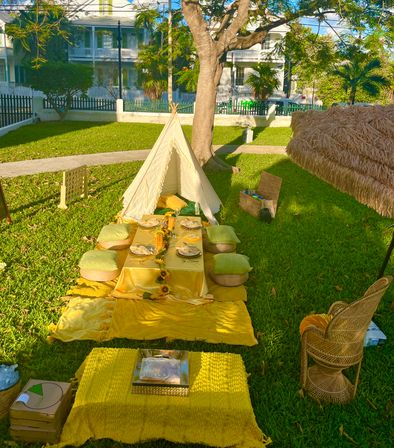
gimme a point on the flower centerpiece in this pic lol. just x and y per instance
(162, 241)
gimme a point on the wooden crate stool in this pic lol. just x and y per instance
(269, 187)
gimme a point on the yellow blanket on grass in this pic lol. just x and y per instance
(102, 319)
(217, 411)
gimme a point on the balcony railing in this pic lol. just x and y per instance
(252, 56)
(102, 53)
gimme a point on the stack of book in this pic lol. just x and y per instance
(39, 411)
(161, 372)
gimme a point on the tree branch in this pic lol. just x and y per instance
(239, 21)
(231, 10)
(244, 42)
(198, 26)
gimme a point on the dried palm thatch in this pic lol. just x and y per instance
(352, 148)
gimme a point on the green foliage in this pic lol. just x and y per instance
(61, 80)
(264, 81)
(188, 77)
(153, 59)
(329, 88)
(336, 247)
(152, 69)
(42, 32)
(311, 54)
(361, 73)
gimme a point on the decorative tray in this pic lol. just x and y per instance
(161, 372)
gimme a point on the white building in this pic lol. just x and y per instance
(96, 35)
(96, 43)
(239, 65)
(7, 68)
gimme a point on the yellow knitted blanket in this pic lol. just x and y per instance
(216, 412)
(102, 319)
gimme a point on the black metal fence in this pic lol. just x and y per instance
(242, 107)
(81, 103)
(288, 109)
(155, 106)
(14, 109)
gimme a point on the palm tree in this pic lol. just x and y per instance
(264, 81)
(361, 74)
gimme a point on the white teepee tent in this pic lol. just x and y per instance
(171, 167)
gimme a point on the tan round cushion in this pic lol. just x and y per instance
(218, 248)
(229, 279)
(115, 236)
(99, 265)
(116, 245)
(99, 276)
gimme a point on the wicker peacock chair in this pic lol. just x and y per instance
(338, 345)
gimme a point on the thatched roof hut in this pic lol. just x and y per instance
(352, 148)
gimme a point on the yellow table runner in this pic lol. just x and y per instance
(140, 273)
(217, 412)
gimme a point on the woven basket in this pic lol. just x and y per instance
(229, 279)
(7, 397)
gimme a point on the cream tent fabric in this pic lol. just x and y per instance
(170, 168)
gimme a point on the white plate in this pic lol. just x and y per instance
(190, 224)
(140, 249)
(188, 251)
(149, 223)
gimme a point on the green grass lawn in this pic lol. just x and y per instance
(323, 246)
(53, 139)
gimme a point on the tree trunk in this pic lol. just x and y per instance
(352, 98)
(204, 115)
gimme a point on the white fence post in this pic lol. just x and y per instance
(119, 109)
(37, 106)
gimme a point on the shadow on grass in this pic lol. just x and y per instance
(54, 199)
(43, 130)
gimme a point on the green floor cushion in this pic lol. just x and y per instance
(114, 232)
(99, 265)
(99, 260)
(231, 264)
(230, 269)
(222, 234)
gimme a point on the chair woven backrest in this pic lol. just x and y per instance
(349, 326)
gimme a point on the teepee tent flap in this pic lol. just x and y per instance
(171, 167)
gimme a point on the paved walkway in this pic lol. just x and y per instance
(27, 167)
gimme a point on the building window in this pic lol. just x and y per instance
(266, 44)
(140, 38)
(239, 76)
(125, 77)
(100, 76)
(20, 75)
(115, 77)
(86, 39)
(2, 70)
(106, 39)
